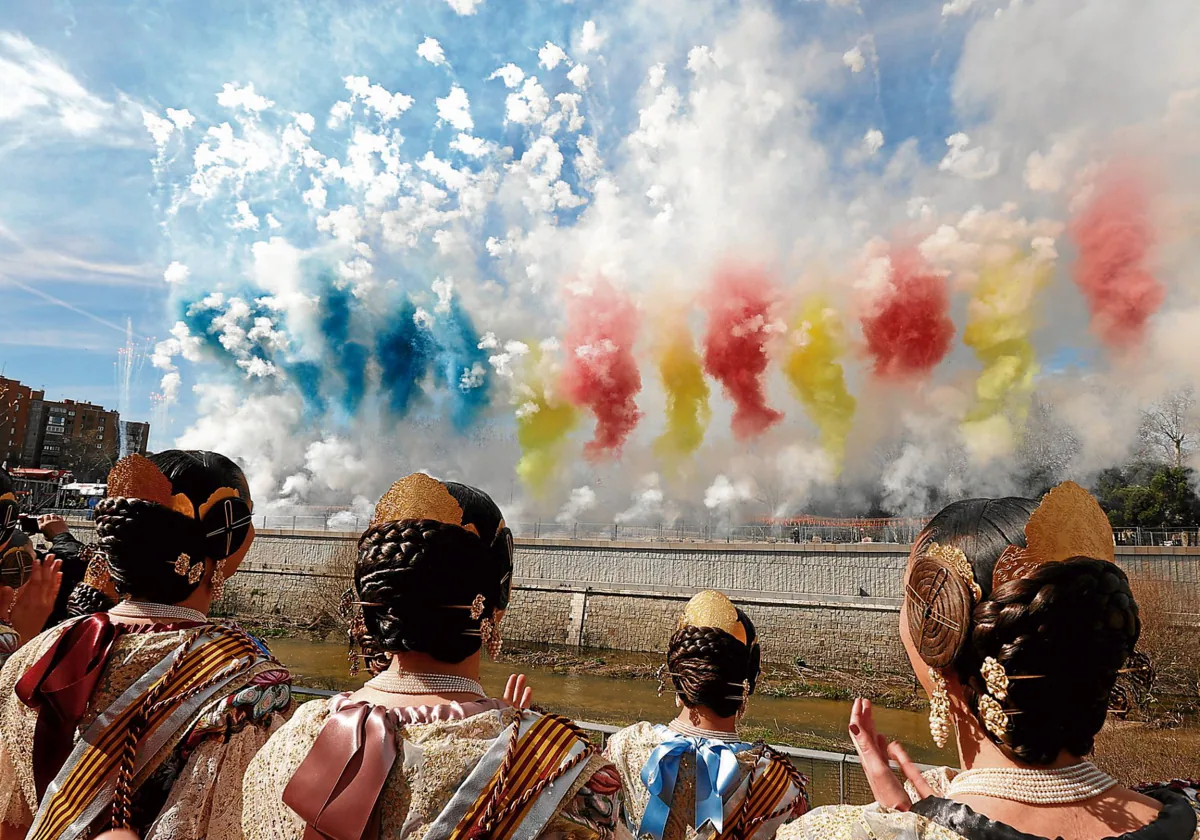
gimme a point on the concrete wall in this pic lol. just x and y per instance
(830, 605)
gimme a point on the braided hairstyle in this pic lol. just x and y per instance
(418, 578)
(86, 599)
(1070, 625)
(711, 668)
(143, 539)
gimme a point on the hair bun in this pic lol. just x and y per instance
(939, 612)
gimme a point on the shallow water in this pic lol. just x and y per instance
(793, 721)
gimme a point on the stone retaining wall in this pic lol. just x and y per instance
(830, 605)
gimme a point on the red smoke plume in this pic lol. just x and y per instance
(1113, 237)
(908, 328)
(601, 373)
(735, 345)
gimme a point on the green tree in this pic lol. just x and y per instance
(1143, 496)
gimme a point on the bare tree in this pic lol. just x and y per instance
(1047, 448)
(1169, 429)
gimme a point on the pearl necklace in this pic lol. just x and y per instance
(1033, 786)
(696, 732)
(151, 610)
(391, 682)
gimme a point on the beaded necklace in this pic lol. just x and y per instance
(1034, 786)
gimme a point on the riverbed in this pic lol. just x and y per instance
(803, 722)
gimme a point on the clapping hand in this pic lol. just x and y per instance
(874, 750)
(35, 600)
(517, 694)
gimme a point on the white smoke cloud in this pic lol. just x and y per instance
(581, 500)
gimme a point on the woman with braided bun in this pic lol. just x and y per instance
(144, 717)
(1017, 621)
(420, 750)
(694, 777)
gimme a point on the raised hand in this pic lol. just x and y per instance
(517, 694)
(874, 751)
(51, 525)
(35, 600)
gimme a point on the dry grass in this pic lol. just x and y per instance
(1170, 636)
(1140, 752)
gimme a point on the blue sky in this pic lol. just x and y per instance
(81, 241)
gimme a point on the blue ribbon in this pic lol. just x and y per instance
(716, 775)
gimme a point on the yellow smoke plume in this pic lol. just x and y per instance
(817, 377)
(1000, 319)
(543, 423)
(682, 375)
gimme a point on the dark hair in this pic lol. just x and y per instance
(418, 579)
(8, 509)
(16, 560)
(144, 539)
(6, 485)
(1068, 626)
(86, 599)
(711, 668)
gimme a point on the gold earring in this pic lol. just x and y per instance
(477, 607)
(489, 634)
(218, 580)
(939, 709)
(995, 678)
(745, 699)
(994, 716)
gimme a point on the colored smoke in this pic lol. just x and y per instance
(1000, 319)
(682, 375)
(817, 377)
(1113, 237)
(462, 366)
(601, 373)
(735, 345)
(350, 357)
(405, 350)
(543, 423)
(907, 327)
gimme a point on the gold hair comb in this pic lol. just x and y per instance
(1068, 523)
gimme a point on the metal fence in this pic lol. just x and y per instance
(900, 533)
(833, 778)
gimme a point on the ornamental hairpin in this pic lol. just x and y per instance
(477, 607)
(183, 564)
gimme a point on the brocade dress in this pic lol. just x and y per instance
(188, 786)
(674, 813)
(427, 764)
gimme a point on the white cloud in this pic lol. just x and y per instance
(853, 58)
(551, 55)
(456, 109)
(234, 96)
(246, 220)
(590, 39)
(510, 74)
(431, 51)
(528, 106)
(176, 273)
(464, 7)
(974, 163)
(1047, 172)
(36, 88)
(955, 8)
(579, 76)
(470, 146)
(387, 104)
(872, 141)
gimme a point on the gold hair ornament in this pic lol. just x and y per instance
(419, 496)
(713, 609)
(954, 558)
(477, 607)
(993, 715)
(98, 574)
(995, 678)
(1068, 523)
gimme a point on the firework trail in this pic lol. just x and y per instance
(601, 373)
(682, 375)
(735, 345)
(907, 327)
(1113, 237)
(815, 373)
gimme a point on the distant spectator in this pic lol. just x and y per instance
(69, 551)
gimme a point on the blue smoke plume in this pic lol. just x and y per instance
(349, 356)
(462, 367)
(405, 351)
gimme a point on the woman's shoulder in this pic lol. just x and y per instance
(640, 732)
(863, 822)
